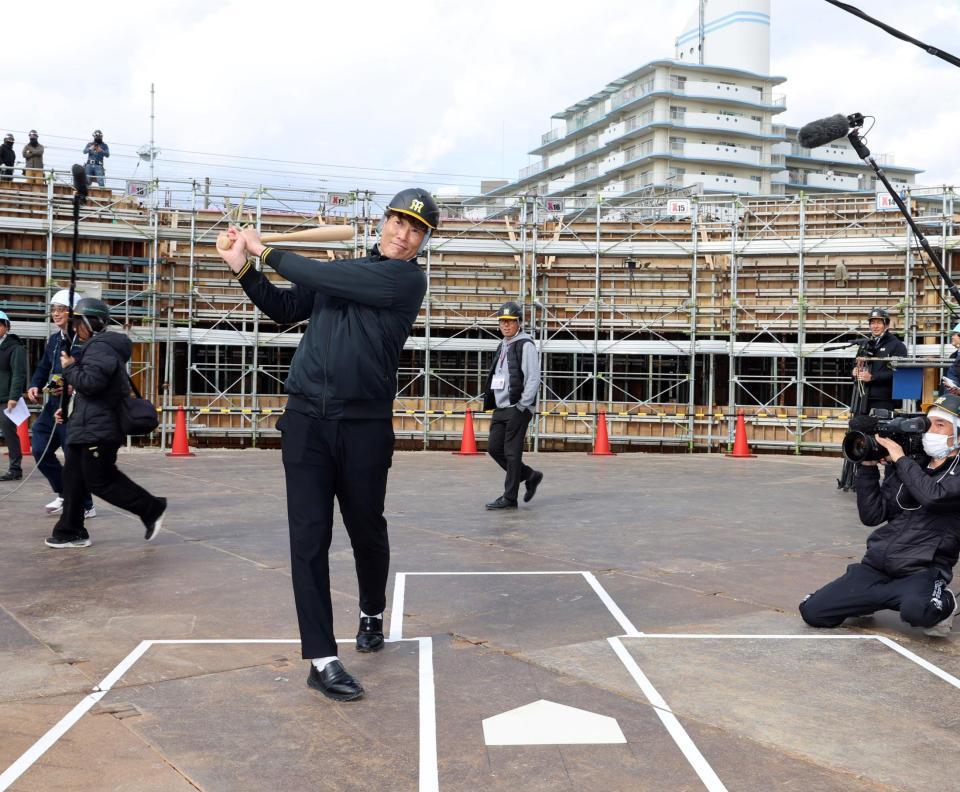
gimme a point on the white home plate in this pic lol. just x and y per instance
(549, 723)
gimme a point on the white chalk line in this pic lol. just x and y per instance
(428, 769)
(400, 587)
(673, 726)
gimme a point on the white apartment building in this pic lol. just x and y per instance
(680, 123)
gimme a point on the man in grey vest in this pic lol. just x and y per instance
(511, 392)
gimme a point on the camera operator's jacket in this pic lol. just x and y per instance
(361, 312)
(920, 532)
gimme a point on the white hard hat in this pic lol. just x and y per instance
(62, 297)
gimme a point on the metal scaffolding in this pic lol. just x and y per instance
(668, 314)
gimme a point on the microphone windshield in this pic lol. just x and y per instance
(823, 131)
(80, 181)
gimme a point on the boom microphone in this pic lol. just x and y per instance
(80, 181)
(826, 130)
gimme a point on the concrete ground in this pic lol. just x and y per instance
(681, 546)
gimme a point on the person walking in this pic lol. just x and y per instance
(99, 380)
(48, 435)
(511, 392)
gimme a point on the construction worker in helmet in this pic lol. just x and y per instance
(47, 381)
(872, 374)
(337, 429)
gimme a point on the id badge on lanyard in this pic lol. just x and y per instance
(499, 381)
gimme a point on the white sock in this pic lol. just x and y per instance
(368, 616)
(321, 662)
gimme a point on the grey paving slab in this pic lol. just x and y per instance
(681, 543)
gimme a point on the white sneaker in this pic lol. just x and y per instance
(91, 512)
(55, 506)
(942, 628)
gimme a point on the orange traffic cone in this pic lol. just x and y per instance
(601, 444)
(24, 436)
(180, 446)
(741, 449)
(468, 442)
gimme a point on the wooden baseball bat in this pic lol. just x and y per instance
(330, 233)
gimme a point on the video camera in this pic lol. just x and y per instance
(860, 443)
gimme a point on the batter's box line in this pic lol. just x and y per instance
(400, 589)
(428, 769)
(673, 726)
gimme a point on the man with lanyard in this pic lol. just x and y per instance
(511, 392)
(337, 428)
(910, 556)
(48, 435)
(873, 378)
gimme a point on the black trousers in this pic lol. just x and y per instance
(347, 460)
(12, 440)
(508, 430)
(46, 430)
(94, 469)
(921, 598)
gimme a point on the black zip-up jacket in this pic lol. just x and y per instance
(880, 388)
(13, 368)
(361, 312)
(919, 532)
(99, 380)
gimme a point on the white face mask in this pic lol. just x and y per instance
(936, 446)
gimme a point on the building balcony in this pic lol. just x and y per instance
(533, 170)
(781, 177)
(549, 137)
(711, 151)
(724, 184)
(565, 182)
(826, 181)
(726, 123)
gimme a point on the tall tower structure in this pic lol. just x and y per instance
(731, 33)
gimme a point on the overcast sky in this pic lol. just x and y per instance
(354, 94)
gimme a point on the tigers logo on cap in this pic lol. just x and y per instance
(416, 206)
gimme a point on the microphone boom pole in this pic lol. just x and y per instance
(79, 197)
(864, 153)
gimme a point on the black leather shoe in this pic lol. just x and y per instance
(531, 485)
(502, 503)
(334, 682)
(370, 634)
(12, 475)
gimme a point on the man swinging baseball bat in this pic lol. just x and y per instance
(337, 429)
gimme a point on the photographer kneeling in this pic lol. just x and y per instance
(910, 557)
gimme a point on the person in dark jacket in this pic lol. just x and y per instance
(337, 429)
(950, 381)
(872, 372)
(47, 435)
(511, 392)
(13, 378)
(8, 158)
(96, 150)
(33, 159)
(99, 381)
(910, 556)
